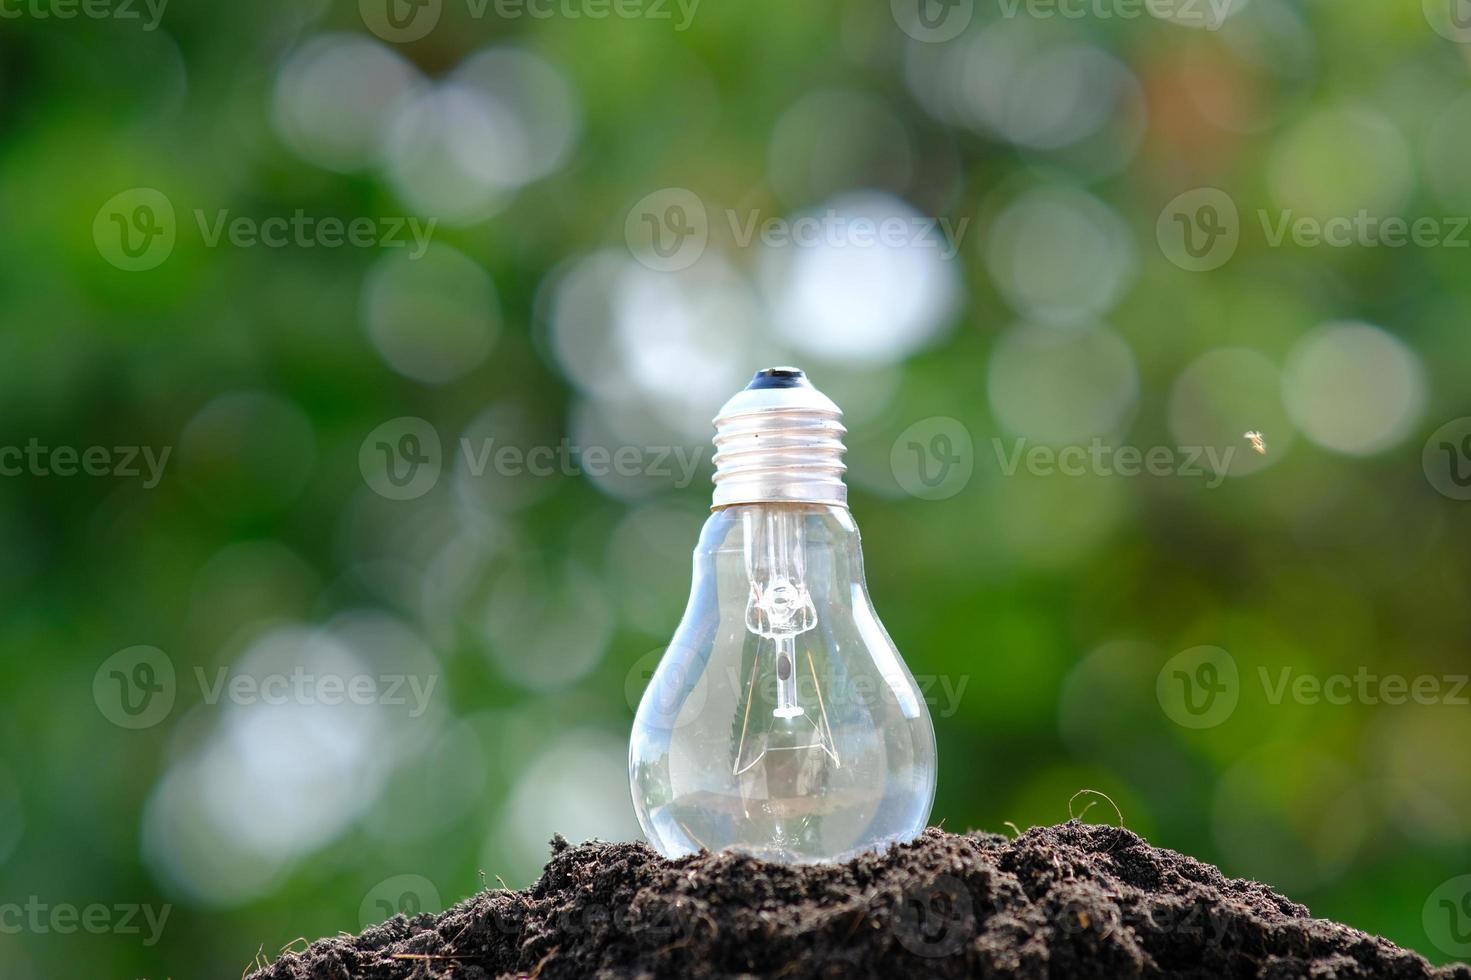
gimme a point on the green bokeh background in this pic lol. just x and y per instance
(1051, 603)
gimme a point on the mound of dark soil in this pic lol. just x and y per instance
(1067, 901)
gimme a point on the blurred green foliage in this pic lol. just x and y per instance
(1050, 604)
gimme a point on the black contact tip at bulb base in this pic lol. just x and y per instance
(778, 377)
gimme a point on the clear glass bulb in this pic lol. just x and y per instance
(781, 721)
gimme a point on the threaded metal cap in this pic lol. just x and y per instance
(779, 440)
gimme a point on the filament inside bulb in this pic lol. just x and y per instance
(779, 611)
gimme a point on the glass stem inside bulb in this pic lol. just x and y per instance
(786, 679)
(779, 609)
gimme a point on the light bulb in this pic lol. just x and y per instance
(781, 721)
